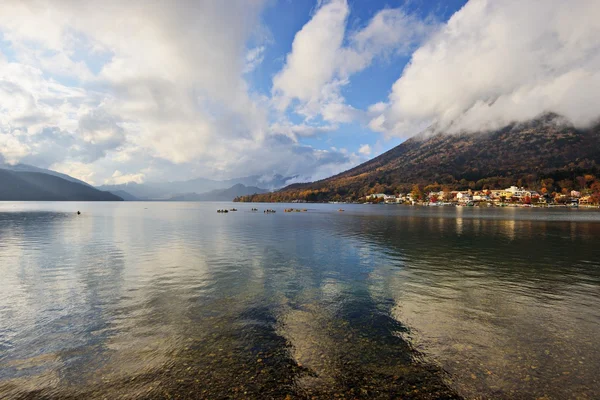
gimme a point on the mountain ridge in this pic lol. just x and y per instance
(546, 148)
(22, 185)
(198, 186)
(31, 168)
(221, 194)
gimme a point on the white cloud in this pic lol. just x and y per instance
(119, 178)
(152, 90)
(501, 61)
(312, 62)
(294, 131)
(254, 57)
(320, 64)
(101, 130)
(11, 149)
(365, 149)
(76, 169)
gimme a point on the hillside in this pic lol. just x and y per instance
(544, 152)
(19, 185)
(221, 195)
(124, 195)
(31, 168)
(139, 191)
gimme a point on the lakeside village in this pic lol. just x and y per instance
(511, 197)
(582, 192)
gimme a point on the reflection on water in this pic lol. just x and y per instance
(159, 300)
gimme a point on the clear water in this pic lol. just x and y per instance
(172, 300)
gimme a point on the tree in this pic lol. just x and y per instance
(447, 194)
(595, 188)
(589, 178)
(416, 193)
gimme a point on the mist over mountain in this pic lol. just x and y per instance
(547, 147)
(139, 191)
(192, 187)
(125, 195)
(221, 194)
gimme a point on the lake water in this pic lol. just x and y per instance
(173, 300)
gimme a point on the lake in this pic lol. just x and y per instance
(174, 300)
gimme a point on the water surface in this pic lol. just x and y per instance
(160, 300)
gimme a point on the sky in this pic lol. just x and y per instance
(112, 92)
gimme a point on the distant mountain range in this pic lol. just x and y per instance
(547, 148)
(24, 182)
(124, 195)
(546, 152)
(221, 194)
(196, 189)
(21, 183)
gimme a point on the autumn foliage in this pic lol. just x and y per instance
(544, 155)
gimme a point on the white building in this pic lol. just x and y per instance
(389, 198)
(376, 196)
(520, 192)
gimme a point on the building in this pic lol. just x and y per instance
(518, 192)
(389, 198)
(464, 197)
(586, 200)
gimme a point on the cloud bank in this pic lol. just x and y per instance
(499, 61)
(137, 90)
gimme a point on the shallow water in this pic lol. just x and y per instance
(159, 300)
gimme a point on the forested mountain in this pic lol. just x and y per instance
(20, 185)
(546, 152)
(31, 168)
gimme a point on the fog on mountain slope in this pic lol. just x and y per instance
(498, 62)
(198, 186)
(544, 148)
(221, 194)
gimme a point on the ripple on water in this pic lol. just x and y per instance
(178, 300)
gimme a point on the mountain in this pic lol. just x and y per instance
(203, 185)
(31, 168)
(140, 191)
(545, 152)
(222, 194)
(125, 195)
(271, 182)
(170, 190)
(19, 185)
(198, 185)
